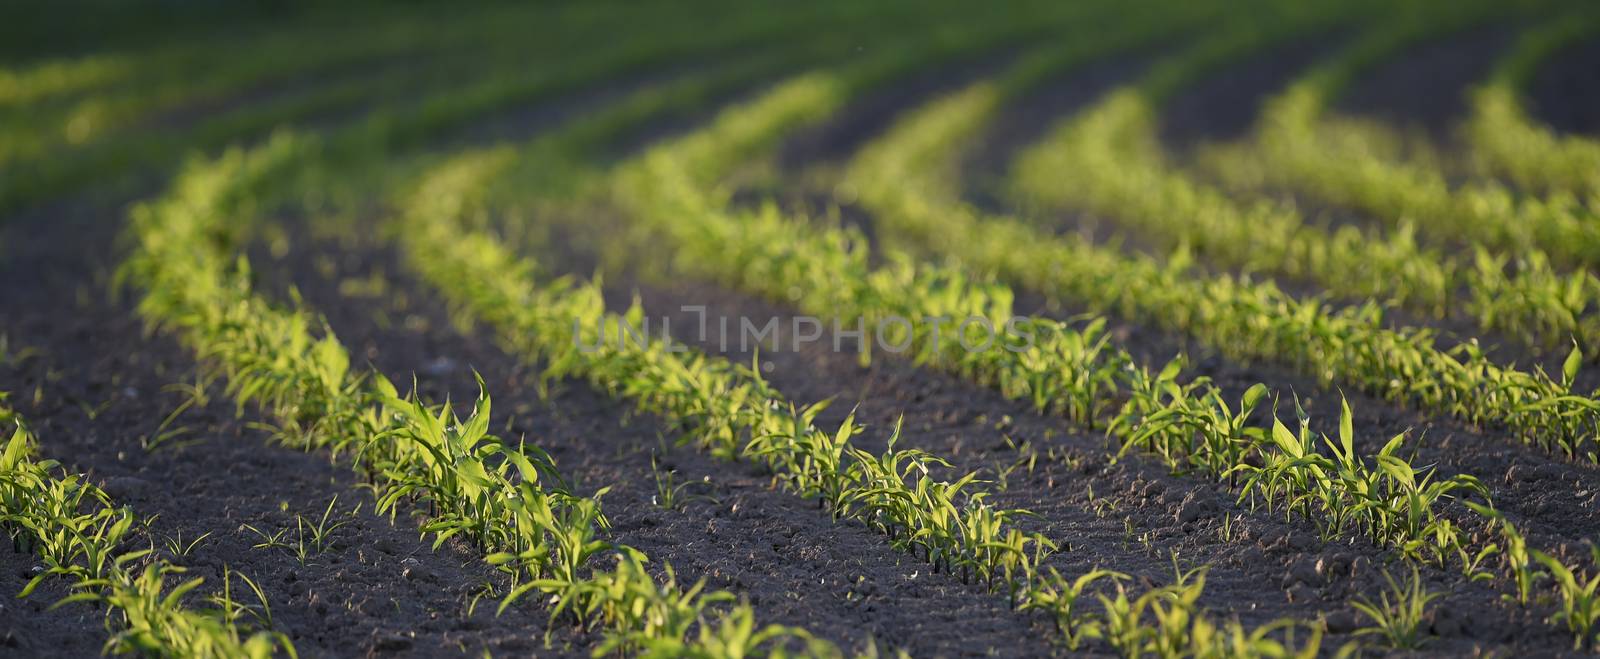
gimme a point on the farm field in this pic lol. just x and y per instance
(718, 329)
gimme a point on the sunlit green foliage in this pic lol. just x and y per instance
(1360, 164)
(509, 502)
(81, 536)
(1507, 141)
(898, 178)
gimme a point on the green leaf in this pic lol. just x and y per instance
(16, 449)
(1286, 440)
(1170, 371)
(1486, 511)
(1347, 431)
(1252, 397)
(76, 597)
(1569, 368)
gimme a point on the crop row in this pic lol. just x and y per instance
(731, 412)
(445, 93)
(898, 180)
(1065, 370)
(274, 358)
(825, 271)
(1507, 142)
(1108, 160)
(506, 500)
(914, 153)
(728, 410)
(82, 538)
(510, 502)
(1360, 165)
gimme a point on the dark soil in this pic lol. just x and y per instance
(102, 391)
(1565, 92)
(838, 137)
(1027, 119)
(1129, 515)
(1224, 105)
(95, 385)
(798, 567)
(28, 627)
(1424, 88)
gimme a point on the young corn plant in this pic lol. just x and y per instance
(1167, 622)
(725, 408)
(1399, 616)
(1189, 426)
(1515, 556)
(1389, 501)
(156, 623)
(310, 537)
(656, 618)
(178, 548)
(1060, 598)
(233, 610)
(77, 532)
(1580, 601)
(670, 494)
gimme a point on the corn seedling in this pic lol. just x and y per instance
(73, 527)
(311, 537)
(670, 494)
(1060, 598)
(1580, 601)
(1400, 615)
(234, 610)
(178, 548)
